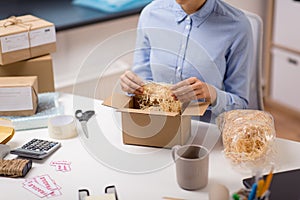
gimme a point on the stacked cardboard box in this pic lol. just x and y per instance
(25, 46)
(25, 37)
(39, 66)
(18, 96)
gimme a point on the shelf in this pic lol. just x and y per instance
(62, 13)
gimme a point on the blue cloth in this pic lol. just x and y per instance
(112, 5)
(213, 44)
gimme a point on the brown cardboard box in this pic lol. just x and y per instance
(25, 37)
(154, 128)
(39, 66)
(18, 96)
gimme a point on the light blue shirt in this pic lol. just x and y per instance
(213, 44)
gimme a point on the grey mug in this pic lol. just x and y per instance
(191, 162)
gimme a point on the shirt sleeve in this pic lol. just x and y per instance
(141, 62)
(235, 94)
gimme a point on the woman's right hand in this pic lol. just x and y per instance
(131, 83)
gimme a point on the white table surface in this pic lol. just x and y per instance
(137, 172)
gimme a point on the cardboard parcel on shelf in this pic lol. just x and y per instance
(40, 66)
(25, 37)
(154, 128)
(18, 95)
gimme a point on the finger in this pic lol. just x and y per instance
(126, 88)
(135, 82)
(130, 87)
(182, 90)
(184, 83)
(179, 85)
(201, 91)
(194, 85)
(174, 96)
(134, 78)
(131, 83)
(193, 95)
(199, 88)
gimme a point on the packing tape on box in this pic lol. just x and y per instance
(62, 127)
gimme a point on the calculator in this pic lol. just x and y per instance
(36, 149)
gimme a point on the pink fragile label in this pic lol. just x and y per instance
(42, 186)
(37, 189)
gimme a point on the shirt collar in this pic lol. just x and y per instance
(199, 16)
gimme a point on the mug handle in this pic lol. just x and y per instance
(174, 150)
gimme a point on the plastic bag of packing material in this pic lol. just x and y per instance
(248, 138)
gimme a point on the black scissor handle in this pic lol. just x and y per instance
(79, 114)
(84, 116)
(88, 114)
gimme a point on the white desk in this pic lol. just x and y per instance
(137, 172)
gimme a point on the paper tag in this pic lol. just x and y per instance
(63, 166)
(37, 189)
(55, 193)
(15, 98)
(42, 186)
(42, 36)
(47, 182)
(14, 42)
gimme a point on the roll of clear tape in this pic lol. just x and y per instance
(62, 127)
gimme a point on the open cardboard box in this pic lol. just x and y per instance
(154, 128)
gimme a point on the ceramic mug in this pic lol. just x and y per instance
(191, 163)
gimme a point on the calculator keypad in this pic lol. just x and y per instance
(39, 145)
(37, 148)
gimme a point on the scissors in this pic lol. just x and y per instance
(83, 118)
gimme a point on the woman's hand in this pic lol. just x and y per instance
(194, 89)
(131, 83)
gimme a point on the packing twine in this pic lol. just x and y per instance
(13, 20)
(13, 168)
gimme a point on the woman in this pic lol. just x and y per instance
(203, 47)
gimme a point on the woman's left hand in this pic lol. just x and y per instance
(194, 89)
